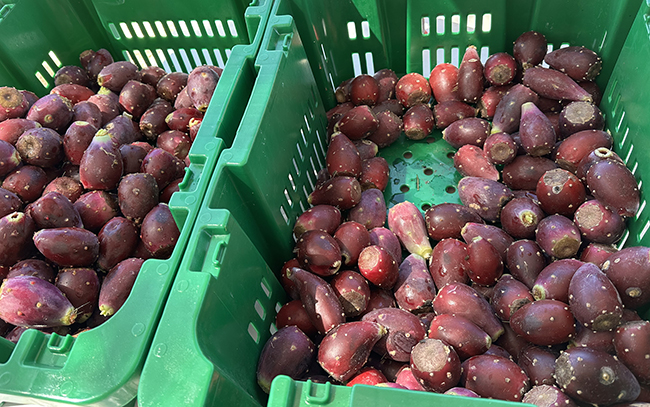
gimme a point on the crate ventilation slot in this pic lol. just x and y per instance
(175, 29)
(253, 333)
(176, 59)
(49, 69)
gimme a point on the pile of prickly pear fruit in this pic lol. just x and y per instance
(519, 293)
(86, 174)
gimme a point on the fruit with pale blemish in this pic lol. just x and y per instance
(471, 161)
(494, 377)
(520, 217)
(545, 395)
(560, 191)
(385, 238)
(320, 217)
(414, 289)
(558, 236)
(470, 76)
(319, 299)
(449, 262)
(500, 68)
(598, 224)
(485, 196)
(201, 84)
(554, 84)
(435, 364)
(463, 335)
(42, 147)
(81, 288)
(500, 148)
(180, 119)
(508, 296)
(470, 130)
(412, 89)
(341, 191)
(352, 237)
(594, 300)
(446, 220)
(446, 113)
(96, 208)
(461, 391)
(159, 231)
(407, 222)
(342, 157)
(9, 202)
(352, 291)
(539, 365)
(364, 90)
(632, 345)
(418, 122)
(53, 210)
(13, 104)
(403, 331)
(544, 322)
(525, 261)
(117, 241)
(293, 314)
(580, 63)
(371, 209)
(377, 265)
(579, 116)
(507, 115)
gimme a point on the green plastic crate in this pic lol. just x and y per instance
(103, 366)
(223, 302)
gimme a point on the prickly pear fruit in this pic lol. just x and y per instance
(558, 236)
(632, 345)
(539, 364)
(377, 265)
(465, 336)
(288, 352)
(554, 84)
(320, 217)
(320, 301)
(81, 288)
(159, 231)
(449, 262)
(404, 331)
(407, 222)
(446, 220)
(544, 322)
(508, 296)
(494, 377)
(414, 289)
(352, 291)
(435, 364)
(629, 270)
(487, 197)
(117, 285)
(594, 300)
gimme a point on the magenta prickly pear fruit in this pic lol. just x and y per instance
(175, 142)
(595, 377)
(444, 82)
(539, 364)
(535, 131)
(520, 217)
(52, 111)
(485, 264)
(553, 281)
(449, 263)
(578, 145)
(320, 217)
(470, 130)
(500, 68)
(9, 202)
(493, 234)
(471, 161)
(470, 76)
(465, 336)
(342, 156)
(377, 265)
(345, 348)
(545, 395)
(554, 84)
(386, 79)
(485, 196)
(407, 222)
(406, 378)
(530, 49)
(614, 185)
(495, 377)
(525, 261)
(318, 252)
(117, 241)
(117, 285)
(320, 300)
(293, 313)
(461, 299)
(34, 303)
(137, 194)
(101, 164)
(352, 238)
(580, 63)
(342, 192)
(412, 89)
(27, 181)
(352, 290)
(96, 208)
(560, 191)
(435, 364)
(115, 75)
(76, 140)
(629, 270)
(68, 246)
(404, 331)
(33, 267)
(597, 253)
(414, 289)
(164, 167)
(54, 210)
(632, 345)
(385, 238)
(593, 299)
(74, 93)
(544, 322)
(136, 97)
(170, 85)
(558, 236)
(364, 90)
(371, 209)
(525, 171)
(418, 122)
(159, 231)
(81, 288)
(13, 104)
(598, 224)
(358, 123)
(507, 115)
(490, 99)
(374, 173)
(368, 375)
(201, 83)
(508, 296)
(16, 230)
(446, 220)
(446, 113)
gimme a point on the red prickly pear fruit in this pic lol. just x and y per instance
(13, 104)
(629, 270)
(374, 173)
(578, 145)
(352, 290)
(101, 165)
(593, 299)
(471, 161)
(535, 131)
(520, 217)
(615, 186)
(495, 377)
(500, 148)
(595, 377)
(530, 49)
(319, 299)
(490, 99)
(87, 112)
(509, 345)
(485, 264)
(545, 395)
(152, 122)
(406, 378)
(385, 238)
(544, 322)
(461, 391)
(386, 80)
(294, 314)
(465, 336)
(462, 300)
(470, 76)
(342, 157)
(352, 237)
(66, 186)
(593, 89)
(446, 113)
(287, 352)
(51, 111)
(367, 149)
(485, 196)
(446, 220)
(9, 202)
(115, 75)
(407, 222)
(364, 90)
(449, 262)
(73, 92)
(152, 74)
(76, 140)
(414, 289)
(380, 298)
(54, 210)
(552, 283)
(170, 85)
(9, 158)
(68, 247)
(554, 84)
(359, 122)
(391, 105)
(346, 348)
(500, 68)
(388, 130)
(175, 142)
(16, 230)
(597, 253)
(27, 181)
(412, 89)
(418, 122)
(371, 209)
(369, 376)
(33, 267)
(525, 261)
(179, 119)
(201, 84)
(320, 217)
(600, 340)
(12, 129)
(539, 365)
(194, 125)
(507, 115)
(579, 116)
(96, 208)
(81, 288)
(594, 156)
(42, 147)
(470, 130)
(404, 331)
(117, 285)
(508, 296)
(443, 81)
(524, 171)
(558, 236)
(163, 166)
(497, 350)
(34, 303)
(159, 231)
(137, 194)
(436, 365)
(117, 241)
(318, 252)
(335, 113)
(377, 265)
(580, 63)
(632, 345)
(341, 191)
(598, 224)
(560, 191)
(288, 285)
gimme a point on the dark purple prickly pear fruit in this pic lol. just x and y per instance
(152, 122)
(446, 220)
(51, 111)
(485, 196)
(558, 236)
(578, 145)
(180, 119)
(171, 84)
(132, 156)
(358, 123)
(74, 93)
(544, 322)
(374, 173)
(13, 104)
(66, 186)
(614, 185)
(352, 291)
(201, 84)
(42, 147)
(320, 217)
(137, 194)
(595, 377)
(507, 115)
(377, 265)
(27, 181)
(371, 209)
(465, 336)
(449, 263)
(175, 142)
(380, 298)
(414, 289)
(629, 270)
(580, 63)
(525, 261)
(386, 79)
(470, 130)
(34, 303)
(81, 288)
(599, 224)
(485, 264)
(508, 296)
(490, 99)
(632, 345)
(435, 364)
(293, 313)
(553, 281)
(446, 113)
(287, 352)
(9, 202)
(33, 267)
(96, 208)
(471, 161)
(320, 300)
(500, 148)
(117, 285)
(520, 217)
(117, 241)
(493, 234)
(68, 246)
(530, 49)
(16, 230)
(87, 112)
(352, 237)
(407, 222)
(404, 331)
(494, 377)
(342, 192)
(163, 166)
(600, 340)
(123, 130)
(115, 75)
(159, 231)
(151, 75)
(318, 252)
(545, 395)
(10, 158)
(525, 171)
(535, 131)
(108, 104)
(94, 61)
(12, 129)
(136, 97)
(597, 253)
(470, 76)
(54, 210)
(593, 299)
(539, 364)
(101, 164)
(367, 149)
(76, 140)
(385, 238)
(554, 84)
(579, 116)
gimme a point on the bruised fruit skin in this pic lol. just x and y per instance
(494, 377)
(629, 270)
(81, 288)
(117, 285)
(595, 377)
(414, 289)
(485, 196)
(404, 331)
(159, 231)
(435, 364)
(407, 222)
(465, 336)
(544, 322)
(352, 290)
(34, 303)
